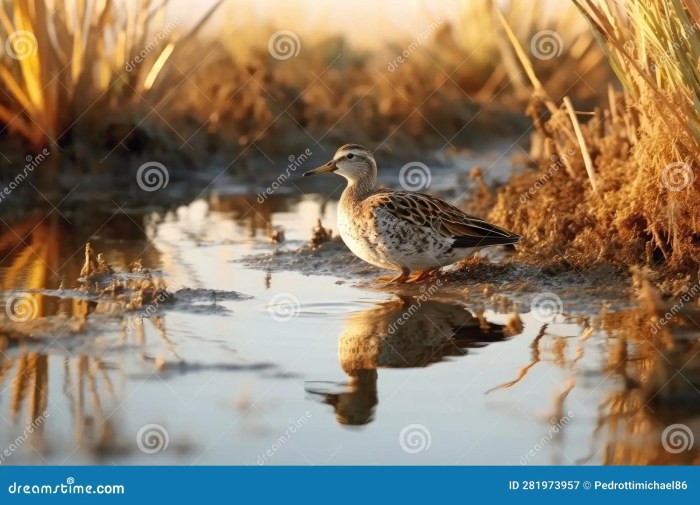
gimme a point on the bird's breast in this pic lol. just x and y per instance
(360, 235)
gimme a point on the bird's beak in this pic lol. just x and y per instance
(328, 167)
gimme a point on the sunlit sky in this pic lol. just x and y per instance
(362, 21)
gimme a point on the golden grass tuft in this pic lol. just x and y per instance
(72, 74)
(622, 187)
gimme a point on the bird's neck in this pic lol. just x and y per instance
(358, 190)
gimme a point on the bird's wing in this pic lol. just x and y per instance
(447, 220)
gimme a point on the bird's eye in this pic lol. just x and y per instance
(350, 156)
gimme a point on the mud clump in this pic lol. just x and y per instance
(331, 257)
(275, 235)
(134, 287)
(320, 235)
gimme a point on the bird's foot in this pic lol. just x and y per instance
(399, 279)
(425, 274)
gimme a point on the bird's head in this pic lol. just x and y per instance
(352, 161)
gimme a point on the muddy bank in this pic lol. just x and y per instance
(493, 281)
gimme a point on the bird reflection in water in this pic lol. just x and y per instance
(403, 333)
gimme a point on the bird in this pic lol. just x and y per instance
(412, 233)
(385, 337)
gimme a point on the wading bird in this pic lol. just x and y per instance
(402, 230)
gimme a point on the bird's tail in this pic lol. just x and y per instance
(486, 240)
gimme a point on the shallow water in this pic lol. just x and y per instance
(249, 366)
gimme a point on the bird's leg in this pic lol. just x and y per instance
(434, 273)
(425, 274)
(401, 278)
(419, 276)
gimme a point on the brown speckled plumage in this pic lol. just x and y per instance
(401, 230)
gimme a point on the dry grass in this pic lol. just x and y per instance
(620, 188)
(223, 93)
(71, 77)
(451, 91)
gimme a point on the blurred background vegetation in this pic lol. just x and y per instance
(210, 85)
(610, 90)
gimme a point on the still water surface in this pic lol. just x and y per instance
(284, 367)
